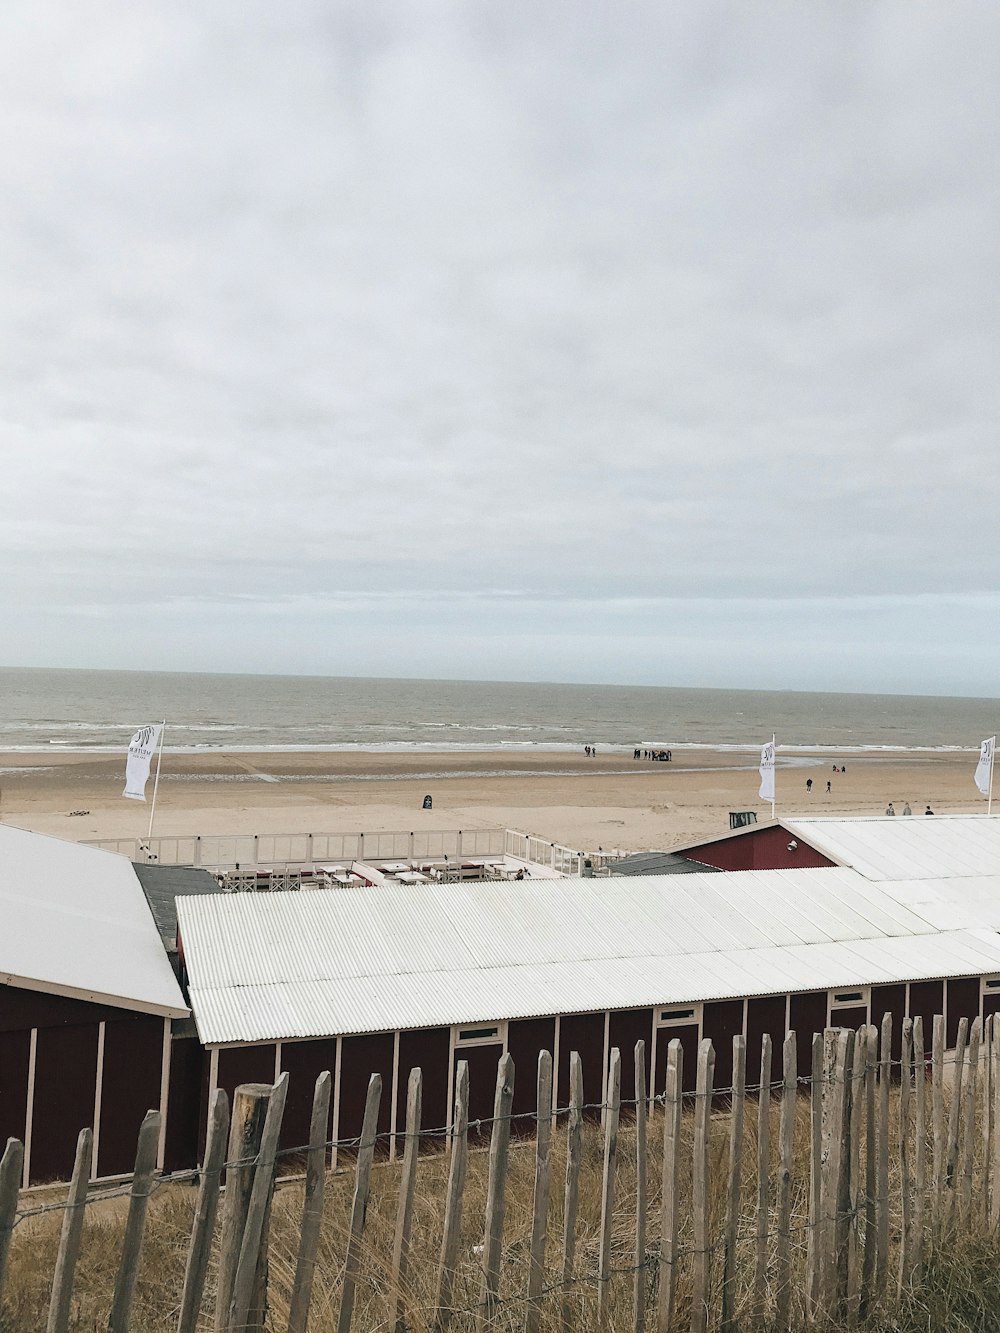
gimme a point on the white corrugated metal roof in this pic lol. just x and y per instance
(950, 904)
(318, 1008)
(354, 960)
(74, 921)
(918, 847)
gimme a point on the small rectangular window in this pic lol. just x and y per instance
(676, 1015)
(479, 1034)
(993, 983)
(849, 997)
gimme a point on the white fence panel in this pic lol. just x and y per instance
(225, 851)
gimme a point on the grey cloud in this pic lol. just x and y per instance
(650, 302)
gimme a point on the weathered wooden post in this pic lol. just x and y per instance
(831, 1232)
(987, 1099)
(763, 1177)
(612, 1115)
(312, 1205)
(359, 1204)
(817, 1083)
(870, 1259)
(69, 1239)
(842, 1214)
(954, 1121)
(571, 1203)
(248, 1304)
(882, 1184)
(205, 1211)
(905, 1160)
(969, 1120)
(670, 1203)
(404, 1213)
(639, 1281)
(11, 1167)
(857, 1107)
(786, 1142)
(734, 1183)
(702, 1266)
(250, 1102)
(920, 1134)
(453, 1200)
(540, 1198)
(938, 1123)
(496, 1191)
(142, 1181)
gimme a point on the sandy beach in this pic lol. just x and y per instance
(608, 801)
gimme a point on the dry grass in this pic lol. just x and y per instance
(961, 1292)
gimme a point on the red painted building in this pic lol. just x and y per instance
(384, 980)
(87, 998)
(765, 847)
(94, 1028)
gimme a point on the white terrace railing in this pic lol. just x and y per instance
(225, 851)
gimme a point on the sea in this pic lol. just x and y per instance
(45, 710)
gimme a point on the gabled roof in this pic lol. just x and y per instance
(74, 922)
(658, 863)
(918, 847)
(269, 966)
(163, 885)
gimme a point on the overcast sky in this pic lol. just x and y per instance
(651, 343)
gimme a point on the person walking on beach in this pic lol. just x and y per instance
(889, 810)
(829, 787)
(809, 785)
(928, 811)
(906, 809)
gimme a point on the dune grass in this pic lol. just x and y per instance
(960, 1289)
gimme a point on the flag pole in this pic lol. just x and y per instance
(989, 796)
(774, 787)
(156, 783)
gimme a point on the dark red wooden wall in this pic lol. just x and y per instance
(760, 849)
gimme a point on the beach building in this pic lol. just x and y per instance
(880, 847)
(117, 995)
(87, 998)
(162, 885)
(362, 980)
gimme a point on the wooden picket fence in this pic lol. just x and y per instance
(753, 1225)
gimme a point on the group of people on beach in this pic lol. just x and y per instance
(829, 785)
(638, 753)
(890, 808)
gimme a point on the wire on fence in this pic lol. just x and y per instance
(444, 1132)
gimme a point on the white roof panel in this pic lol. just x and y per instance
(375, 1004)
(74, 921)
(919, 847)
(375, 959)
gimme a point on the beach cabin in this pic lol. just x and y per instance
(365, 980)
(880, 847)
(87, 999)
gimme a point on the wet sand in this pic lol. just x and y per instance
(608, 801)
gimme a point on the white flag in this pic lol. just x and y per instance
(141, 749)
(766, 792)
(984, 769)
